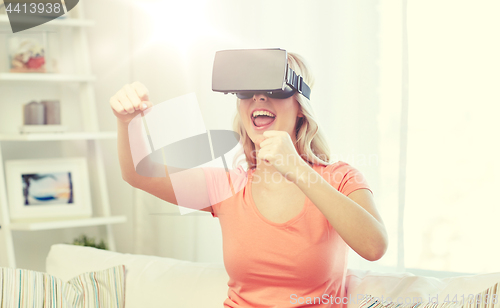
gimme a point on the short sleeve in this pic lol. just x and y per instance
(345, 178)
(222, 185)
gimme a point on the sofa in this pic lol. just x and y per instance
(152, 281)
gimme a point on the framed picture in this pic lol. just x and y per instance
(48, 188)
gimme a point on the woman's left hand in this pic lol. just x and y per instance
(277, 149)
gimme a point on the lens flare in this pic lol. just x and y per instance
(177, 23)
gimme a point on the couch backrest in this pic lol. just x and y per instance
(165, 282)
(149, 281)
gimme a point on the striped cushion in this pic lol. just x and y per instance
(21, 288)
(375, 302)
(489, 298)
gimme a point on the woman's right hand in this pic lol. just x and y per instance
(129, 101)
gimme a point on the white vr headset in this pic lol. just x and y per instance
(245, 72)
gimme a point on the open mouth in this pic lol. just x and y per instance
(263, 118)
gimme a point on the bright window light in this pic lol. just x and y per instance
(452, 206)
(178, 23)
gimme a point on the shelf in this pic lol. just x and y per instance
(49, 77)
(80, 80)
(70, 223)
(57, 136)
(58, 22)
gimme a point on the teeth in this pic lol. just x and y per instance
(262, 112)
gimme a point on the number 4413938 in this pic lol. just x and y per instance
(34, 8)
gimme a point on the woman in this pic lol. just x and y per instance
(286, 233)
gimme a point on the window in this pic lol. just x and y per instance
(453, 168)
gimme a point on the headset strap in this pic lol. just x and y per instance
(297, 83)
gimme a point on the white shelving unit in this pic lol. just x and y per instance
(58, 136)
(95, 221)
(90, 134)
(45, 77)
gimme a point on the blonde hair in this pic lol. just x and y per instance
(310, 141)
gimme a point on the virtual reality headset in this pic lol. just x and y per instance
(245, 72)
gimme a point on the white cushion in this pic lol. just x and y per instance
(149, 281)
(407, 286)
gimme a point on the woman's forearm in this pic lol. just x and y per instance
(124, 154)
(359, 229)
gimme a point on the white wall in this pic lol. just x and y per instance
(338, 38)
(172, 54)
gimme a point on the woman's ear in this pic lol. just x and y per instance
(299, 122)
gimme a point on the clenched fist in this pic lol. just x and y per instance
(129, 101)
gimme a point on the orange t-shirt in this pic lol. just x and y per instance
(299, 263)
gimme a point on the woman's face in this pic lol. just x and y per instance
(283, 117)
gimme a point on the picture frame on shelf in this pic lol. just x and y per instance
(48, 189)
